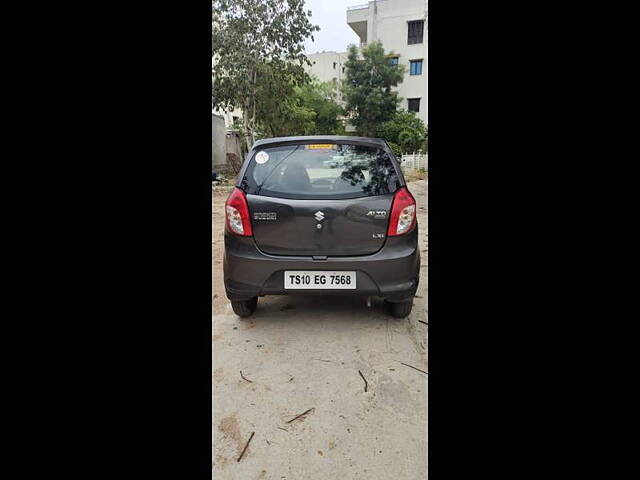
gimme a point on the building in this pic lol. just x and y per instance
(328, 67)
(401, 27)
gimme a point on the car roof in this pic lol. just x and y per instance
(320, 138)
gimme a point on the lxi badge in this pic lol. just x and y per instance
(265, 216)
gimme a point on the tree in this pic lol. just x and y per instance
(253, 42)
(321, 97)
(367, 88)
(304, 109)
(405, 130)
(279, 111)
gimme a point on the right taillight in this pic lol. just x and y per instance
(403, 213)
(237, 213)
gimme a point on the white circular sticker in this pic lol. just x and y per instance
(262, 157)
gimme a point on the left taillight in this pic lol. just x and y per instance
(236, 212)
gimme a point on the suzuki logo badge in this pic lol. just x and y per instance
(319, 215)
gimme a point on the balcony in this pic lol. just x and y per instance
(357, 17)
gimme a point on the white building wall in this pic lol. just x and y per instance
(328, 67)
(386, 21)
(228, 116)
(219, 150)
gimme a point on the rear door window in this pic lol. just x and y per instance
(321, 171)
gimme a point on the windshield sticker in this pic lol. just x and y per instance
(317, 146)
(262, 157)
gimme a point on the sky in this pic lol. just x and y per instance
(331, 16)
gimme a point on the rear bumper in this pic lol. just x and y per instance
(391, 273)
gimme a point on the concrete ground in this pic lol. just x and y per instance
(303, 352)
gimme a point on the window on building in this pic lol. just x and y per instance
(413, 104)
(393, 60)
(415, 67)
(334, 65)
(416, 31)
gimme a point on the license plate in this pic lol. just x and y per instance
(325, 280)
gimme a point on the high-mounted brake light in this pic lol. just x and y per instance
(237, 214)
(403, 213)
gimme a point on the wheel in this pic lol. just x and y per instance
(400, 309)
(244, 308)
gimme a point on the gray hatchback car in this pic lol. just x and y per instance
(321, 215)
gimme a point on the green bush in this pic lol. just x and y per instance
(396, 149)
(405, 130)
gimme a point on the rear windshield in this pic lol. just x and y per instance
(321, 171)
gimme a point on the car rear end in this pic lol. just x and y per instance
(321, 215)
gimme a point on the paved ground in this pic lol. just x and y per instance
(301, 353)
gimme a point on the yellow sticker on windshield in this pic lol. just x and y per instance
(321, 146)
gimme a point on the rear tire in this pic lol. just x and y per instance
(400, 309)
(244, 308)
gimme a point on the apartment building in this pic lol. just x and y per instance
(328, 66)
(401, 27)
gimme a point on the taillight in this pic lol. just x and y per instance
(403, 213)
(237, 213)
